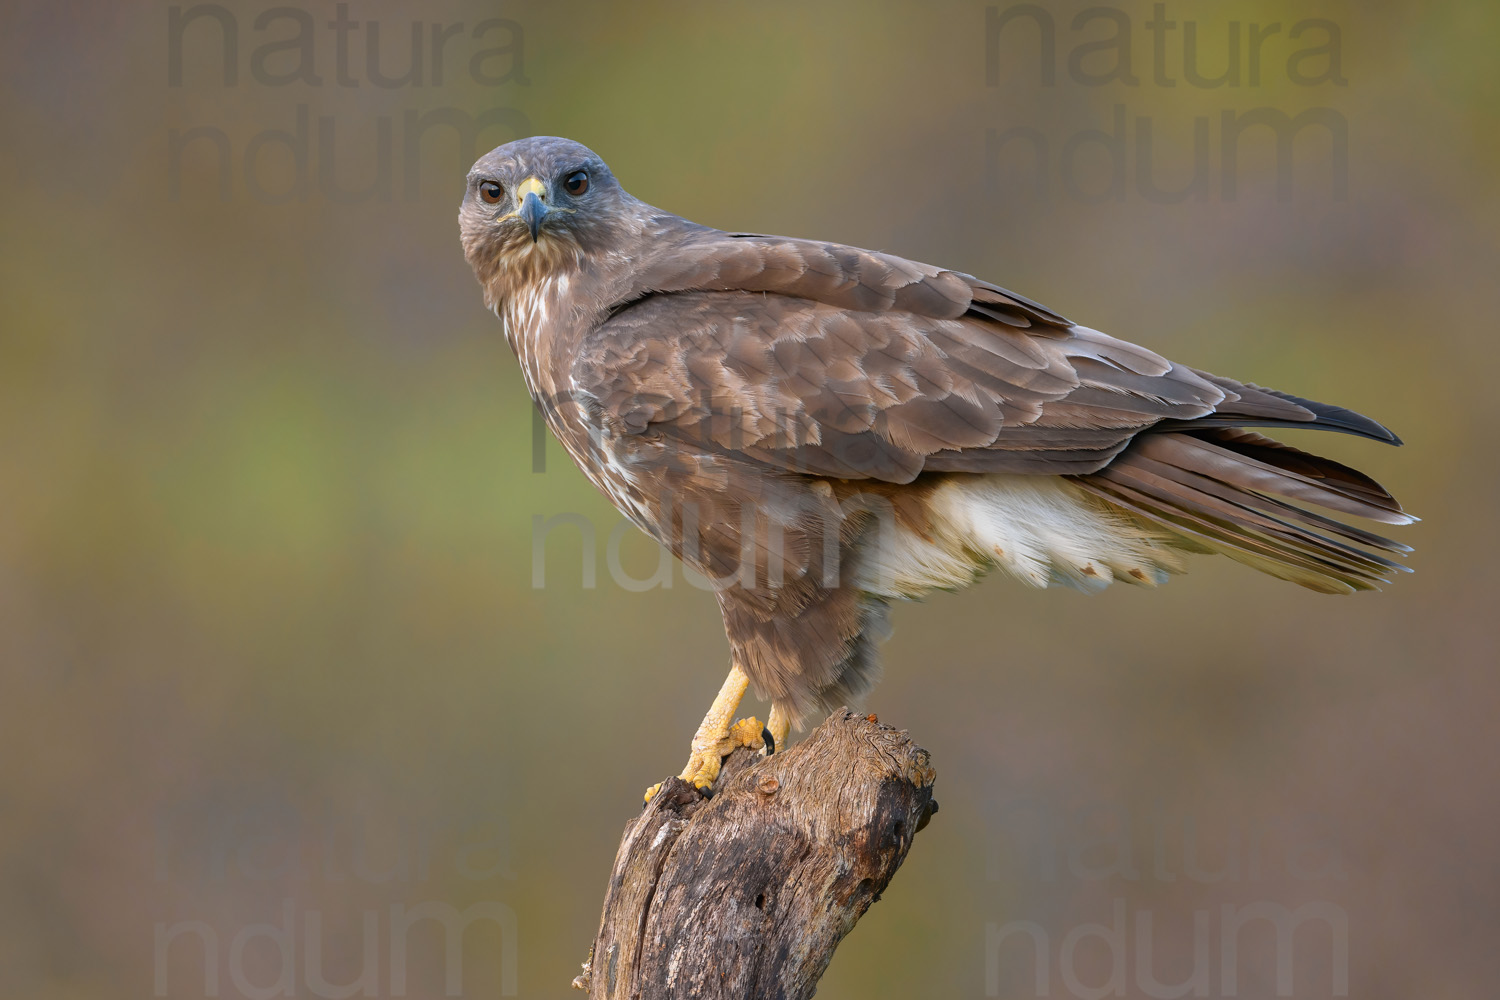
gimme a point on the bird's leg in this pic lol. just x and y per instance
(778, 727)
(716, 738)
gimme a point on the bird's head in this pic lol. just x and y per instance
(536, 207)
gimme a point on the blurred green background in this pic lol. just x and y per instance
(271, 647)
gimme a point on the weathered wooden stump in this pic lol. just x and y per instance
(747, 894)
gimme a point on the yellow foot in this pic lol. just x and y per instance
(709, 751)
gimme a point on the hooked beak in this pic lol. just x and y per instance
(532, 207)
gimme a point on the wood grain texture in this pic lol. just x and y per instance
(747, 894)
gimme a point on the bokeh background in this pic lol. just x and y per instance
(272, 652)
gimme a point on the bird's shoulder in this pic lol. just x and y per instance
(688, 257)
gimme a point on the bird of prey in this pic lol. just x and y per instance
(821, 430)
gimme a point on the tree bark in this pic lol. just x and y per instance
(747, 894)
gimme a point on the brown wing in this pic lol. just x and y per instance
(832, 361)
(820, 389)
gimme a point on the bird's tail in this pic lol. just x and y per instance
(1225, 489)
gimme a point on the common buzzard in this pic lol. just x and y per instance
(821, 430)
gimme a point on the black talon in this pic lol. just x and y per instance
(770, 741)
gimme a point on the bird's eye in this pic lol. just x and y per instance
(491, 193)
(577, 183)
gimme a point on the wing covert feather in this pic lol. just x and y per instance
(825, 389)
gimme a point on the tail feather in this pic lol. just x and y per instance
(1258, 510)
(1226, 490)
(1254, 461)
